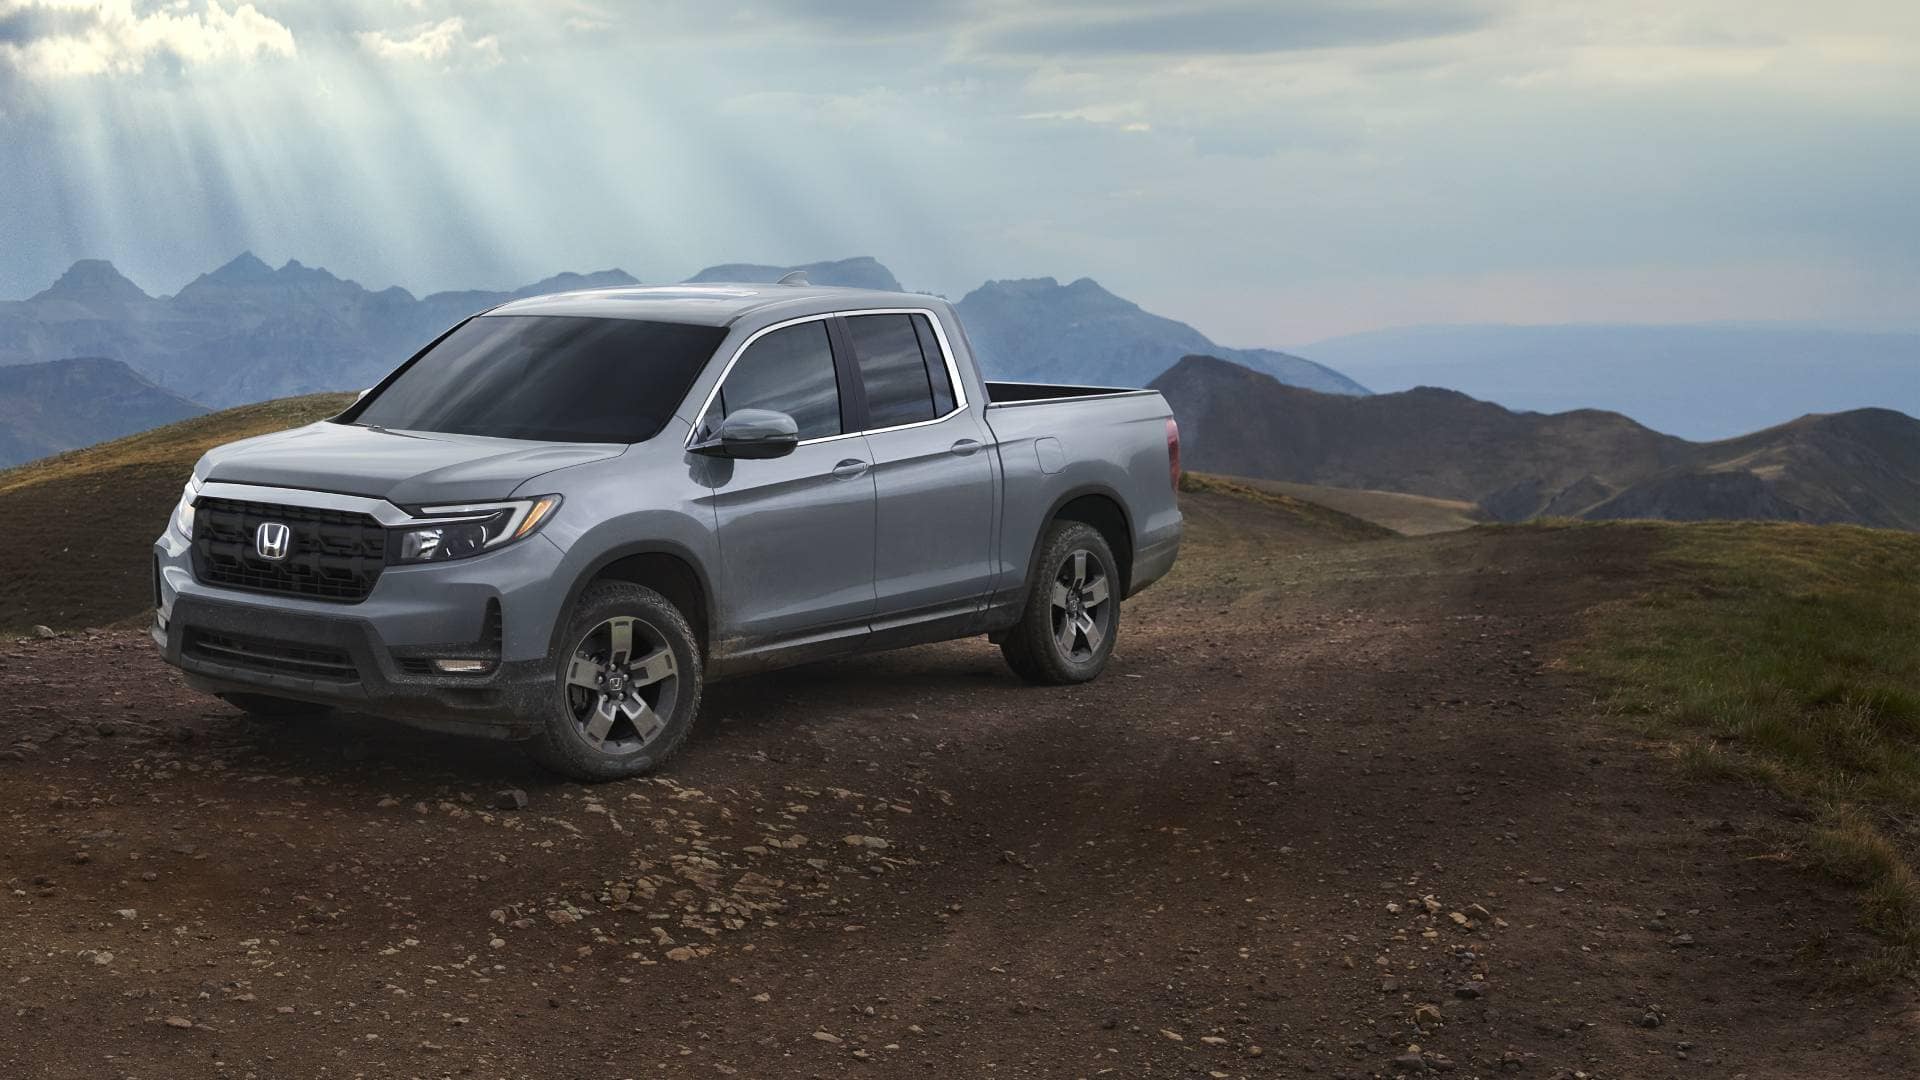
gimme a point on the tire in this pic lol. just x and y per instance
(595, 734)
(1072, 616)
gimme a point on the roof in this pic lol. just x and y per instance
(707, 304)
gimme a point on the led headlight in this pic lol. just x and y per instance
(183, 513)
(468, 530)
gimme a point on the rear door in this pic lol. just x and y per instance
(932, 467)
(796, 532)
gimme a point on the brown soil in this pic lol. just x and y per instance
(1240, 853)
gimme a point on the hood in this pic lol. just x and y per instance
(405, 468)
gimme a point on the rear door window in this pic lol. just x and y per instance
(789, 370)
(894, 371)
(937, 374)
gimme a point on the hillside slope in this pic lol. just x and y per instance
(61, 404)
(97, 511)
(1861, 467)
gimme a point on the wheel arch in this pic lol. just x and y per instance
(665, 567)
(1103, 509)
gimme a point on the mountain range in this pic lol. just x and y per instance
(1860, 466)
(60, 404)
(1701, 381)
(250, 332)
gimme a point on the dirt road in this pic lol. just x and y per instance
(1330, 803)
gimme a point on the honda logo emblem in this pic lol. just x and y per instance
(272, 539)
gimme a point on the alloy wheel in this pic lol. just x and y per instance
(621, 686)
(1081, 606)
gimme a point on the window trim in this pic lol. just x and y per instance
(939, 334)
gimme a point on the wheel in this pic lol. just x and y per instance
(267, 707)
(1072, 616)
(626, 686)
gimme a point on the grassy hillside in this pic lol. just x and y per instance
(1790, 654)
(1409, 515)
(92, 514)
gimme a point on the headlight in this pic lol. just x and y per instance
(468, 530)
(183, 513)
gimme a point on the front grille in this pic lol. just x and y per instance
(273, 657)
(332, 554)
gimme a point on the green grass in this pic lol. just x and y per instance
(1789, 655)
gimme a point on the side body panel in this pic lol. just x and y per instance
(1053, 452)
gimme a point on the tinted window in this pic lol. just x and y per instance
(887, 350)
(936, 366)
(789, 371)
(546, 377)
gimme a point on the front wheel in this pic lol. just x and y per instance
(1072, 616)
(626, 686)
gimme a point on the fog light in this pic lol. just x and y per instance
(463, 667)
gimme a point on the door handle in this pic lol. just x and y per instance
(850, 468)
(964, 447)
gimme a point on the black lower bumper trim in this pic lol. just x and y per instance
(233, 648)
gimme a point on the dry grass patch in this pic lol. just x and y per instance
(1326, 520)
(1789, 655)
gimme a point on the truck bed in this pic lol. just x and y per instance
(1026, 393)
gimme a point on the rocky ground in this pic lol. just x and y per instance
(1335, 811)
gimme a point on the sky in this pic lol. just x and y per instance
(1273, 171)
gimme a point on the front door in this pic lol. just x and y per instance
(796, 532)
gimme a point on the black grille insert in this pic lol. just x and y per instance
(275, 657)
(331, 554)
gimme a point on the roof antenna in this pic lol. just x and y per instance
(797, 277)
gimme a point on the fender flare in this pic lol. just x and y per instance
(613, 555)
(1053, 514)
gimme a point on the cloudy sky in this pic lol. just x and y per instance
(1274, 172)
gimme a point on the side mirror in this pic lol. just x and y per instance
(363, 393)
(752, 434)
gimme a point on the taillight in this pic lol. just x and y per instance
(1173, 452)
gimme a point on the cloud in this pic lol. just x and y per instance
(443, 44)
(66, 38)
(1230, 28)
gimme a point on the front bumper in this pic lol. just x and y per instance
(502, 704)
(374, 656)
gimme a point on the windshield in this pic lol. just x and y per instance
(550, 378)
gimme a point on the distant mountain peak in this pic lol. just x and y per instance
(93, 280)
(243, 267)
(1019, 285)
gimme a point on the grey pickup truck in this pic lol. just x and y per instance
(562, 517)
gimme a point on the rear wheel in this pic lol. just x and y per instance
(625, 690)
(268, 707)
(1072, 615)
